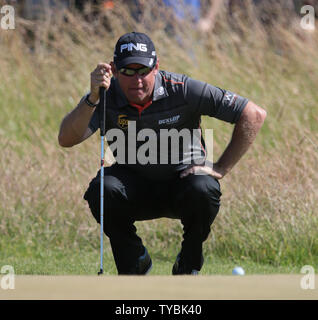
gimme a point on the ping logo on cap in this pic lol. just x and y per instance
(130, 46)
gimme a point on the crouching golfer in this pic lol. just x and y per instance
(153, 178)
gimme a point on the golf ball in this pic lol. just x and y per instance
(238, 271)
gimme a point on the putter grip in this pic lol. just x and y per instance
(102, 110)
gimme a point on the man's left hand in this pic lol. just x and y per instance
(213, 171)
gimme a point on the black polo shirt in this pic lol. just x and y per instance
(155, 141)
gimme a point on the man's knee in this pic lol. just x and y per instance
(202, 187)
(199, 199)
(113, 195)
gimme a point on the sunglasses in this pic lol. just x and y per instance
(143, 71)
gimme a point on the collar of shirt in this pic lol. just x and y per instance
(159, 91)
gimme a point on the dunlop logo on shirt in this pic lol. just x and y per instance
(122, 121)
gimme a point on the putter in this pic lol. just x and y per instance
(102, 115)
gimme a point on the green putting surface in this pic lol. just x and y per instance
(159, 287)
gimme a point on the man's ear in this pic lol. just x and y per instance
(114, 70)
(156, 67)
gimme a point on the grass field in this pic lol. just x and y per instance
(87, 263)
(268, 221)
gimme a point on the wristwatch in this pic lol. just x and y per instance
(90, 103)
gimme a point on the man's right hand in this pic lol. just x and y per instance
(100, 77)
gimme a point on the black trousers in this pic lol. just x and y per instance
(128, 197)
